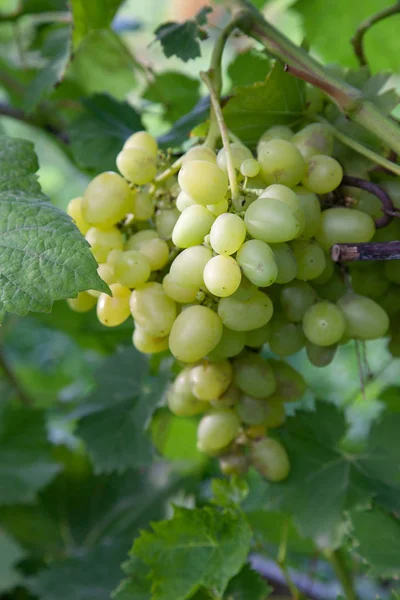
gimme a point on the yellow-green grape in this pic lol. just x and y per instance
(227, 234)
(165, 221)
(148, 344)
(276, 415)
(113, 256)
(320, 356)
(280, 162)
(285, 261)
(219, 208)
(344, 225)
(143, 141)
(102, 241)
(183, 295)
(199, 153)
(326, 274)
(277, 132)
(112, 311)
(107, 199)
(132, 269)
(289, 197)
(252, 411)
(365, 319)
(250, 167)
(254, 375)
(258, 337)
(74, 209)
(203, 181)
(188, 267)
(314, 139)
(392, 271)
(239, 154)
(324, 324)
(195, 332)
(180, 399)
(286, 338)
(257, 261)
(311, 209)
(228, 399)
(82, 303)
(245, 290)
(271, 221)
(323, 174)
(290, 385)
(222, 276)
(151, 246)
(152, 309)
(296, 297)
(136, 165)
(369, 204)
(310, 259)
(244, 315)
(210, 379)
(216, 430)
(193, 225)
(234, 464)
(142, 206)
(230, 344)
(106, 272)
(270, 458)
(183, 201)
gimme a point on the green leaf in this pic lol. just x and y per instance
(138, 584)
(391, 398)
(182, 39)
(26, 464)
(180, 131)
(10, 554)
(229, 492)
(248, 584)
(268, 527)
(89, 15)
(98, 135)
(278, 100)
(248, 67)
(377, 537)
(18, 165)
(176, 92)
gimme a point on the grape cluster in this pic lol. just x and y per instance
(213, 276)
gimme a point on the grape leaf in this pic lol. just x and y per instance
(180, 131)
(98, 135)
(377, 537)
(138, 585)
(248, 67)
(181, 39)
(10, 554)
(196, 548)
(248, 584)
(278, 100)
(268, 527)
(19, 164)
(176, 92)
(391, 398)
(26, 464)
(89, 14)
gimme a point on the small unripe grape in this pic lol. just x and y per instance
(210, 379)
(323, 174)
(165, 222)
(280, 162)
(180, 398)
(296, 297)
(344, 225)
(199, 153)
(136, 165)
(148, 344)
(257, 261)
(102, 241)
(203, 181)
(239, 154)
(310, 259)
(142, 206)
(286, 338)
(184, 201)
(195, 332)
(193, 225)
(107, 199)
(217, 429)
(277, 132)
(222, 276)
(250, 167)
(183, 295)
(254, 375)
(314, 139)
(244, 315)
(230, 344)
(227, 234)
(324, 324)
(285, 261)
(270, 458)
(271, 221)
(82, 303)
(320, 356)
(290, 384)
(74, 209)
(143, 141)
(112, 311)
(188, 267)
(326, 274)
(365, 319)
(132, 269)
(152, 309)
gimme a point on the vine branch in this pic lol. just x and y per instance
(336, 559)
(366, 251)
(35, 119)
(376, 190)
(358, 39)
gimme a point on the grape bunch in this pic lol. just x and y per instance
(214, 276)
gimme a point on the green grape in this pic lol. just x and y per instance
(390, 302)
(280, 162)
(277, 132)
(193, 225)
(314, 139)
(210, 379)
(323, 174)
(102, 241)
(285, 261)
(230, 344)
(228, 399)
(244, 315)
(369, 204)
(271, 221)
(287, 196)
(195, 333)
(142, 206)
(199, 153)
(143, 141)
(269, 457)
(389, 233)
(246, 290)
(296, 297)
(257, 261)
(152, 309)
(183, 201)
(148, 344)
(344, 225)
(276, 412)
(183, 295)
(392, 187)
(310, 259)
(311, 210)
(203, 181)
(239, 154)
(250, 167)
(258, 337)
(290, 384)
(136, 165)
(82, 303)
(326, 274)
(368, 279)
(107, 272)
(314, 99)
(112, 311)
(187, 268)
(254, 375)
(365, 319)
(165, 222)
(216, 430)
(151, 246)
(219, 208)
(222, 276)
(107, 199)
(74, 209)
(324, 324)
(252, 411)
(320, 356)
(286, 338)
(132, 269)
(181, 401)
(392, 271)
(227, 234)
(333, 289)
(234, 464)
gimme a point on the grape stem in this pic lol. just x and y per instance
(281, 560)
(337, 561)
(376, 190)
(174, 168)
(224, 135)
(366, 251)
(358, 39)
